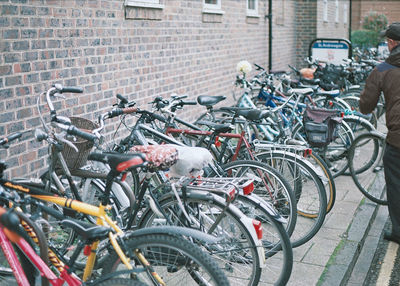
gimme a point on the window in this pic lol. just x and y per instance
(212, 4)
(252, 8)
(212, 7)
(345, 13)
(144, 3)
(325, 11)
(337, 11)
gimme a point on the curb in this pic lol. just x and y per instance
(341, 263)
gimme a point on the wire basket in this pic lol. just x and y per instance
(76, 160)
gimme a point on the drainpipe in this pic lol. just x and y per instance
(269, 16)
(350, 16)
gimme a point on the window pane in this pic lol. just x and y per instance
(211, 2)
(251, 4)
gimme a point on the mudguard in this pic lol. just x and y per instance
(174, 230)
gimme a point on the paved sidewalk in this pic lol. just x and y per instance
(329, 257)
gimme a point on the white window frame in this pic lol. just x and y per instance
(145, 3)
(345, 13)
(252, 12)
(212, 8)
(325, 11)
(336, 11)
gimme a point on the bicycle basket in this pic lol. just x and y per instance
(76, 160)
(321, 125)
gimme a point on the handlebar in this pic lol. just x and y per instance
(72, 130)
(259, 67)
(58, 88)
(10, 138)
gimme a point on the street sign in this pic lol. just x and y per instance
(330, 50)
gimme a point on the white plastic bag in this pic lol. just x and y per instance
(191, 161)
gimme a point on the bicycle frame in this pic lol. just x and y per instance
(102, 219)
(44, 270)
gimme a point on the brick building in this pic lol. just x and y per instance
(361, 8)
(141, 48)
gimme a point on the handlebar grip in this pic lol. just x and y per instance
(115, 112)
(10, 138)
(159, 117)
(73, 89)
(129, 110)
(72, 130)
(189, 103)
(122, 98)
(9, 220)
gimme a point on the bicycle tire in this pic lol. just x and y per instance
(311, 200)
(358, 125)
(276, 241)
(121, 282)
(157, 249)
(335, 154)
(269, 185)
(370, 145)
(204, 207)
(353, 101)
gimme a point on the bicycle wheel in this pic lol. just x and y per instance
(309, 191)
(59, 237)
(354, 102)
(269, 185)
(335, 154)
(236, 253)
(176, 260)
(332, 103)
(365, 164)
(276, 242)
(358, 125)
(121, 282)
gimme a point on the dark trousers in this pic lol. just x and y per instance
(391, 163)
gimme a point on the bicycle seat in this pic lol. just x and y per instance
(87, 231)
(216, 127)
(119, 162)
(248, 113)
(304, 90)
(313, 81)
(208, 100)
(329, 93)
(158, 157)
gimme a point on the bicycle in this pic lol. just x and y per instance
(119, 163)
(366, 167)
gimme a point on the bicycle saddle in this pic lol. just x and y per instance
(158, 157)
(248, 113)
(87, 231)
(119, 162)
(216, 127)
(303, 90)
(208, 100)
(329, 93)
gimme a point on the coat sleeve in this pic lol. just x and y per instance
(370, 95)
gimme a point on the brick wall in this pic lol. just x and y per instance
(283, 34)
(361, 8)
(140, 53)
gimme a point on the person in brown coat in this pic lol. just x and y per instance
(386, 78)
